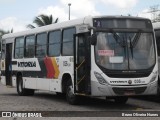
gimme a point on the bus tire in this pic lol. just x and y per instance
(21, 90)
(60, 94)
(121, 100)
(158, 88)
(70, 96)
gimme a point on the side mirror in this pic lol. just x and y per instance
(93, 39)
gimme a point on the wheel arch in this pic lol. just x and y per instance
(65, 78)
(17, 75)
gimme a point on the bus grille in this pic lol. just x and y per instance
(123, 91)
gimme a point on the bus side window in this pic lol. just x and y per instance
(19, 47)
(41, 45)
(67, 49)
(54, 43)
(30, 46)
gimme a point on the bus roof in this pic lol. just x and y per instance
(45, 28)
(70, 23)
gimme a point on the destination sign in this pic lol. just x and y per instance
(122, 23)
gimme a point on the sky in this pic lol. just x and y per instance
(17, 14)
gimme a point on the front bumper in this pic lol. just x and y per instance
(108, 90)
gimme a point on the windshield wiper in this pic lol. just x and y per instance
(120, 41)
(117, 37)
(135, 40)
(131, 47)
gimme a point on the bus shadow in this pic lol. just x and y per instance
(50, 96)
(9, 94)
(86, 102)
(149, 98)
(108, 104)
(97, 103)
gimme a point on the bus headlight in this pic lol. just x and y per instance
(100, 79)
(154, 76)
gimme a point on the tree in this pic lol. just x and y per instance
(42, 20)
(2, 32)
(154, 10)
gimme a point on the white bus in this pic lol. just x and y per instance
(156, 27)
(110, 56)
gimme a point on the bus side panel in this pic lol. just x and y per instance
(14, 82)
(30, 82)
(55, 85)
(43, 84)
(42, 81)
(61, 65)
(66, 67)
(3, 80)
(45, 78)
(53, 73)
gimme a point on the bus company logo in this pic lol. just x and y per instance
(118, 82)
(26, 64)
(130, 82)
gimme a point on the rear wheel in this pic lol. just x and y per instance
(121, 100)
(21, 90)
(70, 96)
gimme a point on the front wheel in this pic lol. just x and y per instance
(21, 90)
(60, 94)
(121, 100)
(158, 88)
(70, 96)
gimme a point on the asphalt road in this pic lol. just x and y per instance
(45, 101)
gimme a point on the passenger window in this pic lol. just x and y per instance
(41, 46)
(54, 43)
(68, 41)
(30, 46)
(19, 47)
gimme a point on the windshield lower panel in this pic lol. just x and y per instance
(125, 51)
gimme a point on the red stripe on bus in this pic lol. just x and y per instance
(49, 67)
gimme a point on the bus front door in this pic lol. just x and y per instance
(82, 64)
(8, 59)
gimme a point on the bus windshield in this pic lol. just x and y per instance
(125, 51)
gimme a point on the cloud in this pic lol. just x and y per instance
(79, 8)
(56, 11)
(124, 4)
(12, 22)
